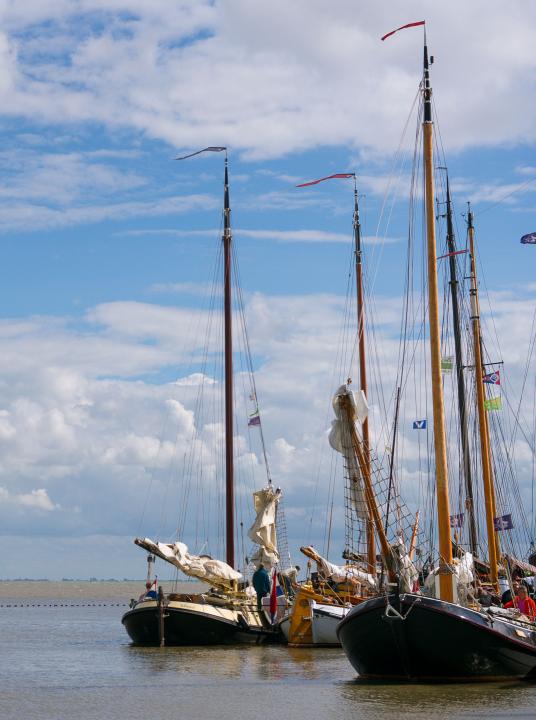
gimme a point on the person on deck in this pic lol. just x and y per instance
(148, 594)
(523, 603)
(508, 594)
(261, 583)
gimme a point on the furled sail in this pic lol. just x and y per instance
(340, 439)
(202, 567)
(339, 573)
(407, 572)
(263, 530)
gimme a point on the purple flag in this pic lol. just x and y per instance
(529, 239)
(254, 419)
(503, 522)
(456, 521)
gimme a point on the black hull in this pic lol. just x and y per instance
(192, 626)
(411, 637)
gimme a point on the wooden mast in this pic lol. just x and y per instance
(371, 544)
(485, 451)
(370, 497)
(228, 352)
(442, 488)
(462, 403)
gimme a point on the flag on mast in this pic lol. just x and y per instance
(254, 419)
(212, 148)
(328, 177)
(493, 378)
(403, 27)
(503, 522)
(494, 403)
(529, 239)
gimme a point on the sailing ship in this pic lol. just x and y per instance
(227, 612)
(451, 633)
(319, 606)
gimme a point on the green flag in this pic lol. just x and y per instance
(447, 364)
(493, 403)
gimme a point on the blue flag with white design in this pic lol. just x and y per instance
(529, 239)
(419, 424)
(503, 522)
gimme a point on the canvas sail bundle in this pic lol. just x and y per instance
(340, 439)
(263, 530)
(202, 567)
(339, 573)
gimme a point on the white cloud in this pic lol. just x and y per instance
(36, 499)
(265, 81)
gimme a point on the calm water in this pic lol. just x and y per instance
(75, 662)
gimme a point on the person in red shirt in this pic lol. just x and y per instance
(523, 603)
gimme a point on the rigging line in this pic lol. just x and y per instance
(249, 358)
(397, 160)
(505, 197)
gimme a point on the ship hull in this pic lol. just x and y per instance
(190, 623)
(411, 637)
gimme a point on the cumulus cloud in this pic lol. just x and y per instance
(165, 71)
(36, 499)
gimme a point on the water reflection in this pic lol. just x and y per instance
(385, 700)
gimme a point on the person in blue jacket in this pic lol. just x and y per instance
(261, 583)
(148, 594)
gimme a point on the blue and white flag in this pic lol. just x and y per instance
(503, 522)
(529, 239)
(419, 424)
(493, 378)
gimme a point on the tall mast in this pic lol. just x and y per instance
(485, 452)
(462, 403)
(442, 488)
(371, 546)
(228, 339)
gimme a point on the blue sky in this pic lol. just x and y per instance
(108, 242)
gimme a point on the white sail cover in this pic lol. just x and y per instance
(340, 440)
(407, 572)
(263, 532)
(341, 573)
(202, 567)
(463, 572)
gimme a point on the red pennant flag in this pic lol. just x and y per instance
(273, 597)
(329, 177)
(403, 27)
(456, 252)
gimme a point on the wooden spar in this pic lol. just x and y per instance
(413, 542)
(482, 419)
(460, 380)
(370, 498)
(228, 352)
(442, 487)
(371, 544)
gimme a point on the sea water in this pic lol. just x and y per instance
(65, 655)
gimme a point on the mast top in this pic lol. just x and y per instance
(226, 202)
(469, 216)
(426, 83)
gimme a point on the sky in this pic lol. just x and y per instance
(109, 244)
